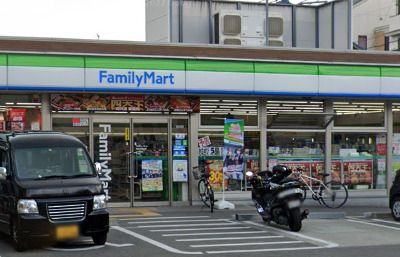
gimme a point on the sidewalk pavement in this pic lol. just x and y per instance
(246, 208)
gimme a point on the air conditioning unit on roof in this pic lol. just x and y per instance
(228, 27)
(275, 30)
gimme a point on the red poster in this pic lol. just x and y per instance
(358, 172)
(127, 103)
(155, 103)
(180, 104)
(381, 149)
(16, 115)
(335, 172)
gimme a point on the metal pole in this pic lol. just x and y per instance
(333, 25)
(266, 23)
(317, 27)
(350, 24)
(294, 38)
(170, 21)
(389, 144)
(180, 10)
(328, 108)
(210, 22)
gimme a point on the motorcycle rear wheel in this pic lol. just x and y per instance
(295, 219)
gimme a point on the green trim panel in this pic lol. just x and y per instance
(280, 68)
(390, 72)
(336, 70)
(3, 60)
(219, 66)
(134, 63)
(46, 61)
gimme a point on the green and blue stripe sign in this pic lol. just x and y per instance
(56, 73)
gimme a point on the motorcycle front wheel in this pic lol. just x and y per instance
(295, 219)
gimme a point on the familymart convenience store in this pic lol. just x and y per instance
(148, 120)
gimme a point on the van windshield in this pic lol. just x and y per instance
(52, 162)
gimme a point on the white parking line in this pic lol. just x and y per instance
(175, 221)
(372, 224)
(153, 242)
(217, 233)
(244, 244)
(189, 225)
(167, 218)
(388, 221)
(196, 229)
(327, 244)
(267, 250)
(226, 238)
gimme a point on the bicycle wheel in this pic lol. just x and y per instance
(334, 195)
(204, 192)
(212, 200)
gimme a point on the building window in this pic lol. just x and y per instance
(211, 158)
(359, 159)
(362, 42)
(303, 150)
(214, 111)
(359, 114)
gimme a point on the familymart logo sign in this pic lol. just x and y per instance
(136, 78)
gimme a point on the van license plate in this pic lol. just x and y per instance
(293, 204)
(67, 232)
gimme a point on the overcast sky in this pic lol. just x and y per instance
(85, 19)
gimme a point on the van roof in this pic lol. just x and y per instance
(30, 139)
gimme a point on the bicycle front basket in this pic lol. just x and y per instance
(196, 173)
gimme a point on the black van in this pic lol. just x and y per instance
(49, 190)
(394, 197)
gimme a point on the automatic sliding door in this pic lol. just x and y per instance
(111, 148)
(150, 161)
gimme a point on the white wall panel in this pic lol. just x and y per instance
(219, 81)
(338, 85)
(286, 83)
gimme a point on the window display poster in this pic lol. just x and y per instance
(180, 170)
(358, 172)
(152, 176)
(215, 168)
(204, 141)
(233, 149)
(381, 144)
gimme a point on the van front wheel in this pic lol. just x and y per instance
(19, 244)
(99, 238)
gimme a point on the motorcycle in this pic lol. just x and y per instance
(278, 197)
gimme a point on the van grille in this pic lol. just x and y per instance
(66, 211)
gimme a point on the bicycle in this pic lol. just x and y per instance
(332, 194)
(205, 190)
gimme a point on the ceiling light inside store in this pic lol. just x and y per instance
(9, 103)
(35, 104)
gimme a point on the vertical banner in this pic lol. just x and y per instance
(233, 149)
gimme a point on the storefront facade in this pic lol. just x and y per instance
(150, 118)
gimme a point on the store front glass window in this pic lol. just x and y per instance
(20, 112)
(396, 138)
(303, 150)
(77, 127)
(359, 159)
(214, 111)
(359, 114)
(211, 158)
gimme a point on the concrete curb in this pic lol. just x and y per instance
(377, 215)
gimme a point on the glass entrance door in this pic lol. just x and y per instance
(150, 161)
(111, 147)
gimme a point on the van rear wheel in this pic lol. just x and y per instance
(99, 238)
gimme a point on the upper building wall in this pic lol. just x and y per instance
(192, 21)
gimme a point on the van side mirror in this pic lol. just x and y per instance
(98, 168)
(3, 173)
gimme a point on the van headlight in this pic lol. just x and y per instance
(99, 202)
(27, 207)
